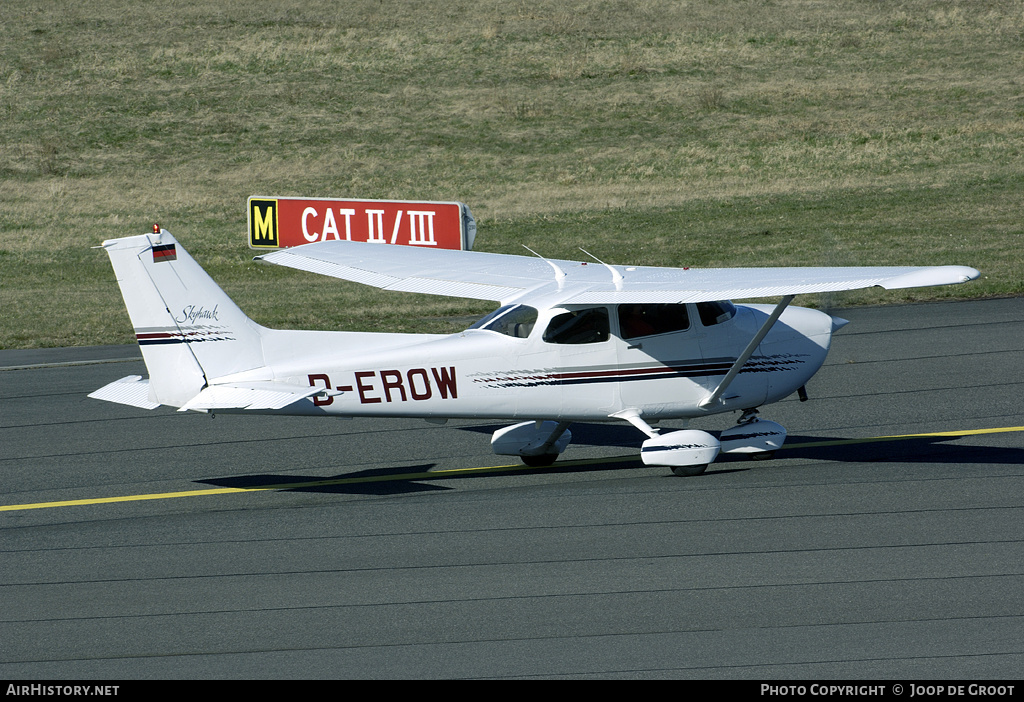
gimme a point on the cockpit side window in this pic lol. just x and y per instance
(587, 326)
(650, 319)
(712, 313)
(511, 320)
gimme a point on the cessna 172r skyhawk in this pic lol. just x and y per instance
(570, 342)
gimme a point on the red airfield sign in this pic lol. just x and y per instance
(282, 222)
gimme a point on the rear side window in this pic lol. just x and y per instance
(587, 326)
(650, 319)
(712, 313)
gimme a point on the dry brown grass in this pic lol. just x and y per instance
(650, 131)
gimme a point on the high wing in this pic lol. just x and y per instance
(505, 278)
(472, 274)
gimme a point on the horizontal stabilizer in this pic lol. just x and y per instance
(249, 396)
(130, 390)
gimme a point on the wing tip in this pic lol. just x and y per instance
(934, 275)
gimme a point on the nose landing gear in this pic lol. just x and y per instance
(757, 438)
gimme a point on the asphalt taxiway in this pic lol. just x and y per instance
(885, 541)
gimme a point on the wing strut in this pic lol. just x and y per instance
(747, 352)
(559, 273)
(616, 276)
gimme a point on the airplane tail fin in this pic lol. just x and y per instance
(189, 330)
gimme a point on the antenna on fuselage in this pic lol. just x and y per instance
(559, 273)
(616, 276)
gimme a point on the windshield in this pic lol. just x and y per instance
(510, 320)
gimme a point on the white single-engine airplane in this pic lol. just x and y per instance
(571, 342)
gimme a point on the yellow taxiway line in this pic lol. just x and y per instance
(902, 437)
(457, 472)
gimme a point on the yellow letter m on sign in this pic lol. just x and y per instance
(263, 223)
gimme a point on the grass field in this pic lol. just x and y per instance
(716, 133)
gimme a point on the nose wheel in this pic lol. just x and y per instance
(541, 461)
(757, 439)
(688, 471)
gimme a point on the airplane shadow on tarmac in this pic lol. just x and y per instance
(910, 449)
(418, 478)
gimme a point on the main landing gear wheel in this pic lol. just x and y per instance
(538, 443)
(686, 451)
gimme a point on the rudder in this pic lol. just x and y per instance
(188, 329)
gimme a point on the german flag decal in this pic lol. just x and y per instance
(164, 252)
